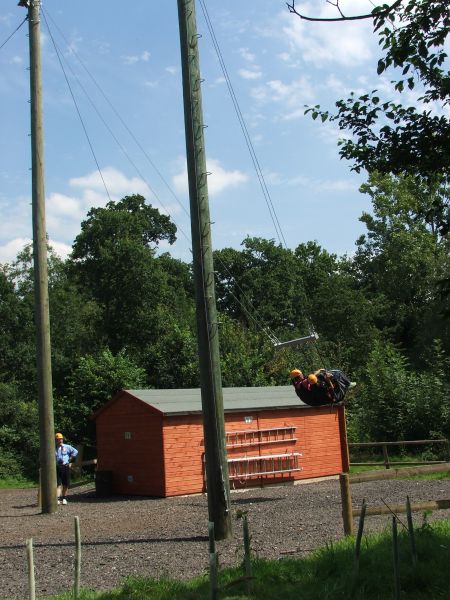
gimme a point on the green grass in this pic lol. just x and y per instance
(22, 483)
(395, 458)
(327, 574)
(16, 483)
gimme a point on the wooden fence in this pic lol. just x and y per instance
(385, 445)
(347, 508)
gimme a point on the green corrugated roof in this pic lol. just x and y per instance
(171, 402)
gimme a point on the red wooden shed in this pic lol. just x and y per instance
(152, 440)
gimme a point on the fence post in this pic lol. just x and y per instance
(346, 499)
(386, 457)
(30, 561)
(76, 584)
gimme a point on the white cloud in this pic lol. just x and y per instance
(246, 74)
(135, 58)
(171, 70)
(247, 55)
(218, 180)
(116, 182)
(349, 43)
(9, 251)
(284, 56)
(292, 96)
(318, 185)
(6, 19)
(60, 248)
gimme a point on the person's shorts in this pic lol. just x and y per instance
(63, 475)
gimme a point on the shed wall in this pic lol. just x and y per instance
(316, 435)
(130, 444)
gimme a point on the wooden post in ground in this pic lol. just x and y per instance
(76, 584)
(386, 457)
(30, 562)
(346, 499)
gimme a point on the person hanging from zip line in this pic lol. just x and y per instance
(322, 387)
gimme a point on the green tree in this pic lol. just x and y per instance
(400, 261)
(387, 136)
(256, 283)
(91, 384)
(19, 440)
(114, 259)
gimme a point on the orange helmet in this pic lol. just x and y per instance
(296, 373)
(312, 379)
(59, 436)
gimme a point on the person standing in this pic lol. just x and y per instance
(65, 456)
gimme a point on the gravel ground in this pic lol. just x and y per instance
(138, 535)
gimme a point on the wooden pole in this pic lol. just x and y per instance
(76, 585)
(217, 482)
(30, 562)
(386, 457)
(42, 317)
(346, 499)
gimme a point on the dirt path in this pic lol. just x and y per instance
(137, 535)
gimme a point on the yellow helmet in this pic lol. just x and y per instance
(296, 373)
(59, 436)
(312, 379)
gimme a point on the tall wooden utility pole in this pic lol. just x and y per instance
(217, 484)
(44, 368)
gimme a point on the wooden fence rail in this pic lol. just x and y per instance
(348, 512)
(393, 473)
(385, 445)
(401, 508)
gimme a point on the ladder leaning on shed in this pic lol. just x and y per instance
(252, 466)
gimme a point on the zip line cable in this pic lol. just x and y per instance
(15, 31)
(259, 325)
(122, 148)
(264, 329)
(244, 128)
(77, 109)
(247, 138)
(124, 124)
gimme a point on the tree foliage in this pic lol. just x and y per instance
(123, 315)
(388, 136)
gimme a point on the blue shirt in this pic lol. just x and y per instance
(64, 453)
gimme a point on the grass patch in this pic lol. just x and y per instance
(16, 483)
(326, 574)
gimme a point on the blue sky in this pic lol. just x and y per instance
(276, 63)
